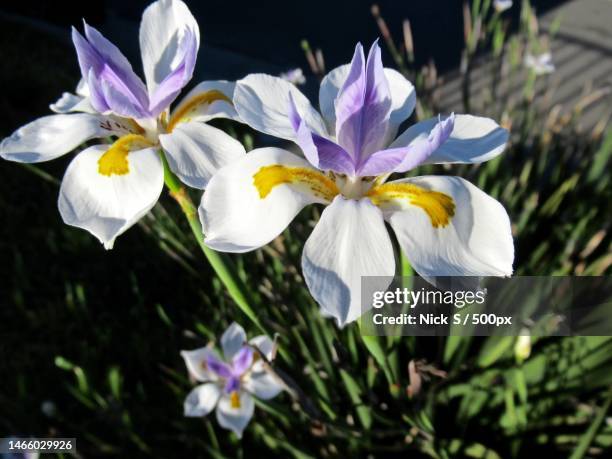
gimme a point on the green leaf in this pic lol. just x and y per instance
(587, 438)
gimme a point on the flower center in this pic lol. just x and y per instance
(235, 400)
(439, 207)
(352, 187)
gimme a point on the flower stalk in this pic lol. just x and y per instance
(221, 264)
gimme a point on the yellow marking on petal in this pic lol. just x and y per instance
(268, 177)
(114, 160)
(186, 111)
(440, 207)
(235, 400)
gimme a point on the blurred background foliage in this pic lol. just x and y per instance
(90, 339)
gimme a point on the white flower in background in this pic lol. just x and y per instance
(502, 5)
(522, 346)
(107, 188)
(445, 225)
(294, 76)
(229, 384)
(541, 64)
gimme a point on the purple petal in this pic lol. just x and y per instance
(242, 361)
(232, 385)
(406, 158)
(171, 86)
(109, 75)
(87, 56)
(322, 153)
(96, 95)
(363, 105)
(119, 101)
(218, 367)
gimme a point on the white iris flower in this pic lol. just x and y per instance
(230, 383)
(107, 188)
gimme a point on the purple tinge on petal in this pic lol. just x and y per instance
(218, 367)
(406, 158)
(242, 361)
(96, 96)
(363, 105)
(171, 86)
(322, 153)
(112, 82)
(232, 385)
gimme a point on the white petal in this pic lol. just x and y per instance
(235, 419)
(476, 242)
(262, 101)
(234, 216)
(51, 136)
(474, 140)
(402, 94)
(195, 151)
(264, 344)
(201, 400)
(196, 363)
(82, 88)
(349, 241)
(328, 91)
(218, 108)
(403, 98)
(72, 103)
(232, 340)
(263, 385)
(163, 24)
(106, 206)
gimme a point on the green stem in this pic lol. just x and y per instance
(221, 263)
(589, 436)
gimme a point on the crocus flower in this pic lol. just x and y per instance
(445, 225)
(541, 64)
(229, 384)
(107, 188)
(502, 5)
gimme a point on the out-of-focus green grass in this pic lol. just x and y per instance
(97, 333)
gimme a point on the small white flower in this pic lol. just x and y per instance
(229, 384)
(541, 64)
(522, 347)
(502, 5)
(294, 76)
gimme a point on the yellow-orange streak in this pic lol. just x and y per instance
(136, 127)
(268, 177)
(440, 207)
(235, 400)
(184, 112)
(114, 160)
